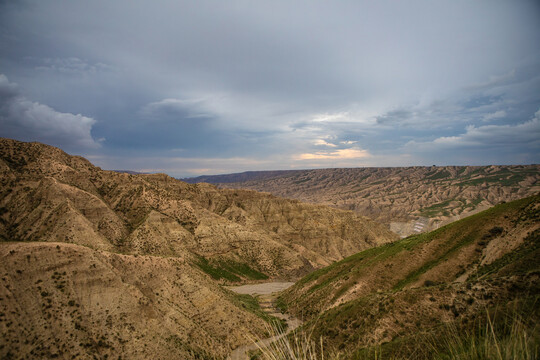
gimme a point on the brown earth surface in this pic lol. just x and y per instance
(48, 195)
(398, 197)
(114, 265)
(484, 264)
(69, 301)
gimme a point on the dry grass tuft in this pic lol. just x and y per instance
(295, 345)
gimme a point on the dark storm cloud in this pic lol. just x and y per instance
(276, 84)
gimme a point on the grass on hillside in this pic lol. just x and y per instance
(508, 330)
(498, 335)
(295, 346)
(229, 270)
(251, 304)
(514, 338)
(456, 235)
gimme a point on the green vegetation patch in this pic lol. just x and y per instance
(411, 277)
(357, 262)
(505, 332)
(229, 270)
(439, 175)
(467, 231)
(435, 209)
(281, 304)
(251, 304)
(503, 177)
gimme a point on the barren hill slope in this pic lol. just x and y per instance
(61, 300)
(485, 264)
(100, 264)
(47, 195)
(397, 196)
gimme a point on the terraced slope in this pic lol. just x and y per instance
(409, 199)
(456, 274)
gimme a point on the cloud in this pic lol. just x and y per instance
(179, 108)
(267, 79)
(331, 117)
(322, 142)
(495, 80)
(513, 137)
(342, 154)
(69, 66)
(395, 116)
(496, 115)
(26, 120)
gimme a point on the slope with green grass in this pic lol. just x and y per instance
(402, 298)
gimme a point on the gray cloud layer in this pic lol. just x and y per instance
(276, 84)
(26, 120)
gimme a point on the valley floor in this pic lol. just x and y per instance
(266, 294)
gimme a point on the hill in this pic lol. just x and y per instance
(408, 199)
(61, 300)
(238, 177)
(101, 263)
(48, 195)
(401, 298)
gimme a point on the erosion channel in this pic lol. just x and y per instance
(266, 294)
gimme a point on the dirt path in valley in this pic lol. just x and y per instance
(266, 294)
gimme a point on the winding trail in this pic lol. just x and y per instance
(266, 294)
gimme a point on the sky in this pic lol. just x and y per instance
(208, 87)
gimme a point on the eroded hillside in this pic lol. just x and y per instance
(114, 265)
(486, 263)
(48, 195)
(61, 300)
(410, 199)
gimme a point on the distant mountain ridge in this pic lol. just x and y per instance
(409, 199)
(238, 177)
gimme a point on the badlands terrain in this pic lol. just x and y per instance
(113, 265)
(110, 265)
(469, 290)
(408, 199)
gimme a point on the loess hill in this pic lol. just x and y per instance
(417, 297)
(103, 263)
(398, 197)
